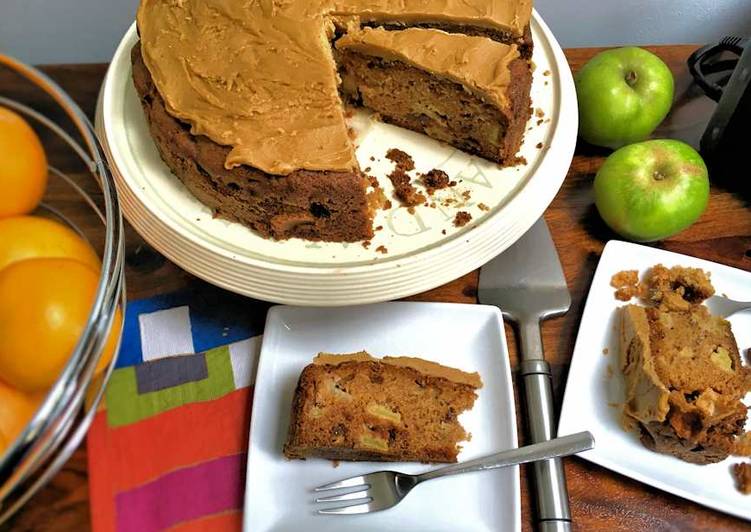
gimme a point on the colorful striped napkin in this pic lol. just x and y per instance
(168, 445)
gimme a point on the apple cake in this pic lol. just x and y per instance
(683, 373)
(244, 100)
(356, 407)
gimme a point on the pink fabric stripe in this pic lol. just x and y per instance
(182, 495)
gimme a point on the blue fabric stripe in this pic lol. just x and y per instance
(217, 318)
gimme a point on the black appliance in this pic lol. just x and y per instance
(723, 71)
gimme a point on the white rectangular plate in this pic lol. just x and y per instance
(278, 493)
(594, 392)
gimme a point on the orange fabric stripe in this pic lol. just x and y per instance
(143, 451)
(224, 522)
(100, 490)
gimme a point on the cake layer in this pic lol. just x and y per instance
(259, 76)
(360, 408)
(330, 206)
(470, 92)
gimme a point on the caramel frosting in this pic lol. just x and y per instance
(478, 63)
(245, 77)
(511, 16)
(425, 367)
(259, 75)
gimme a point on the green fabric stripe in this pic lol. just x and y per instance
(125, 405)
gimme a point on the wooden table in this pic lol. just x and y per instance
(600, 499)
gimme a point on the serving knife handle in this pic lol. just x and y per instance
(549, 477)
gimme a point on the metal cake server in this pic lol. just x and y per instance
(526, 282)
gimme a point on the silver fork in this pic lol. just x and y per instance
(725, 307)
(383, 489)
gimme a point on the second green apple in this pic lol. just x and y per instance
(623, 96)
(652, 190)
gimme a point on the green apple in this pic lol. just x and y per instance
(652, 190)
(623, 96)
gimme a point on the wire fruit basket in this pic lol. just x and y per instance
(63, 417)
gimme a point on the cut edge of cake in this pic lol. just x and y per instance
(470, 92)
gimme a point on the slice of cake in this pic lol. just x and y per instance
(356, 407)
(470, 92)
(683, 372)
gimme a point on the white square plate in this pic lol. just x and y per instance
(278, 493)
(590, 390)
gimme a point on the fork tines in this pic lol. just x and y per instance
(346, 483)
(359, 494)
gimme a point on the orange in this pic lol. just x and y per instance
(16, 410)
(23, 165)
(26, 237)
(44, 306)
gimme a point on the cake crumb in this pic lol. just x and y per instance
(626, 284)
(443, 232)
(377, 199)
(335, 463)
(402, 159)
(372, 158)
(411, 209)
(367, 169)
(605, 351)
(546, 73)
(546, 82)
(379, 228)
(467, 195)
(676, 288)
(742, 474)
(539, 113)
(462, 218)
(539, 145)
(742, 445)
(382, 249)
(483, 207)
(435, 180)
(366, 244)
(404, 191)
(372, 180)
(540, 121)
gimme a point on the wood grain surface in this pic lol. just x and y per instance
(600, 499)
